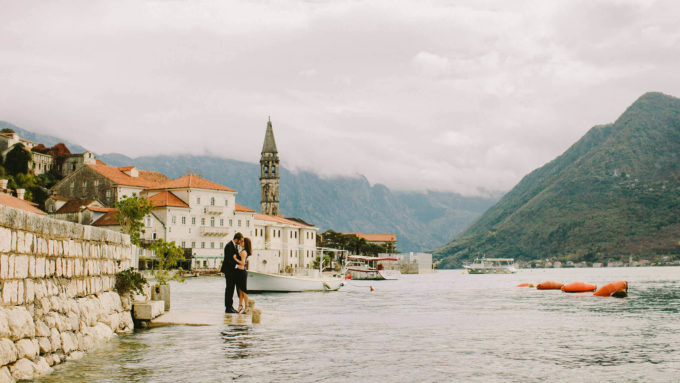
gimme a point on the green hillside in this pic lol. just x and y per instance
(613, 194)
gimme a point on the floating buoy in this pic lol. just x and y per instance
(578, 287)
(610, 288)
(524, 285)
(549, 285)
(348, 276)
(372, 289)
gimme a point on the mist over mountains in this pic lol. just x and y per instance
(614, 194)
(421, 220)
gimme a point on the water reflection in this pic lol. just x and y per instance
(236, 339)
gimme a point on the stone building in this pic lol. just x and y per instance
(269, 174)
(45, 159)
(107, 184)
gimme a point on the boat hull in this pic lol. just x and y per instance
(374, 275)
(264, 282)
(489, 270)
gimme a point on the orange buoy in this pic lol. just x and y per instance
(549, 285)
(524, 285)
(610, 288)
(372, 289)
(578, 287)
(348, 276)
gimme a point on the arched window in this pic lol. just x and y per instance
(273, 170)
(266, 169)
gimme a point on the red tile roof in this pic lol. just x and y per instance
(146, 179)
(243, 208)
(11, 201)
(100, 162)
(272, 218)
(166, 198)
(73, 205)
(108, 219)
(193, 181)
(376, 237)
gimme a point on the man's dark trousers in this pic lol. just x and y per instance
(228, 265)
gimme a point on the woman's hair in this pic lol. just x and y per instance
(248, 246)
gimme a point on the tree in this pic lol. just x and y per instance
(131, 212)
(167, 256)
(17, 160)
(7, 130)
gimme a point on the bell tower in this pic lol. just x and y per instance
(269, 174)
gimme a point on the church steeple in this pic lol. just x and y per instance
(269, 174)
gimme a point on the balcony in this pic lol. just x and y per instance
(212, 209)
(215, 231)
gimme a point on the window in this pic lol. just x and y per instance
(84, 184)
(153, 236)
(202, 245)
(279, 233)
(221, 221)
(108, 194)
(273, 170)
(212, 201)
(202, 221)
(96, 183)
(184, 220)
(193, 220)
(71, 186)
(174, 219)
(226, 202)
(193, 244)
(231, 222)
(212, 221)
(221, 245)
(184, 244)
(212, 245)
(148, 221)
(296, 234)
(247, 223)
(266, 170)
(239, 223)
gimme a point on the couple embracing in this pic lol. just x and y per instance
(234, 267)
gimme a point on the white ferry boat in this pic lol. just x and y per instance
(265, 282)
(492, 266)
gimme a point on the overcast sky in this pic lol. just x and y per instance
(465, 96)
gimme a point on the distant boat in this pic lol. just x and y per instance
(367, 268)
(492, 266)
(265, 282)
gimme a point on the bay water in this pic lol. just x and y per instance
(443, 327)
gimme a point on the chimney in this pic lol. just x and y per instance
(131, 171)
(3, 184)
(20, 193)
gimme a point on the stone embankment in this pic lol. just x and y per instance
(57, 291)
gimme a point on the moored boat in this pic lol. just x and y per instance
(371, 268)
(491, 266)
(265, 282)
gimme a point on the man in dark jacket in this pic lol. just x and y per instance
(228, 266)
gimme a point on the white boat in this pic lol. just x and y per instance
(371, 268)
(265, 282)
(492, 266)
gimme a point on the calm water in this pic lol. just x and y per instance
(447, 326)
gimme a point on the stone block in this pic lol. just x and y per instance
(29, 291)
(40, 267)
(102, 333)
(20, 323)
(5, 240)
(55, 340)
(31, 266)
(5, 375)
(10, 268)
(41, 329)
(20, 292)
(42, 367)
(4, 325)
(23, 369)
(29, 243)
(67, 342)
(8, 351)
(26, 349)
(148, 310)
(4, 266)
(19, 247)
(21, 266)
(9, 292)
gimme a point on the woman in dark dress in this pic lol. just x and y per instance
(242, 275)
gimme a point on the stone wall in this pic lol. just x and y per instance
(57, 291)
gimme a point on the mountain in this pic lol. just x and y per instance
(615, 193)
(422, 221)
